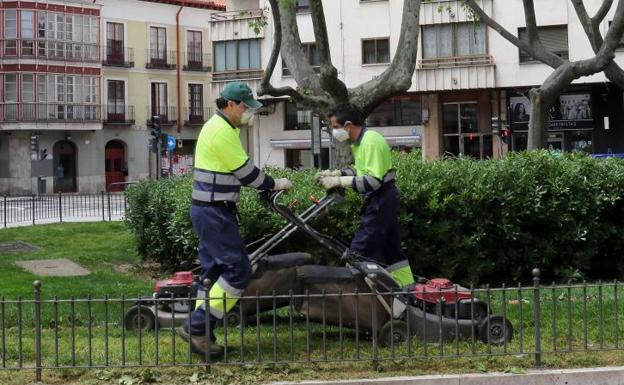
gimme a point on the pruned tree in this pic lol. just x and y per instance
(565, 71)
(319, 92)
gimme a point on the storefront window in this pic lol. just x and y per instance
(299, 159)
(461, 133)
(403, 110)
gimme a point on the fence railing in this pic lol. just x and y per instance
(60, 207)
(313, 327)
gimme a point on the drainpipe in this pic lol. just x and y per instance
(178, 67)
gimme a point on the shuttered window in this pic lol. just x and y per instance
(553, 38)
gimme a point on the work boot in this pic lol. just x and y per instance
(199, 344)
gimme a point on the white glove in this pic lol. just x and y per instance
(325, 173)
(282, 184)
(330, 182)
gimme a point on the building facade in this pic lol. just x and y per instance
(467, 76)
(84, 79)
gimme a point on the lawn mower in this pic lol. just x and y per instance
(174, 299)
(435, 310)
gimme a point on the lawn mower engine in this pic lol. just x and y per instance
(181, 287)
(440, 296)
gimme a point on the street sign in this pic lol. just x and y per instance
(171, 142)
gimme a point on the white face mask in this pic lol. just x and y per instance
(247, 117)
(340, 134)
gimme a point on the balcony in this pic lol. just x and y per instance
(459, 61)
(196, 61)
(456, 73)
(114, 56)
(196, 116)
(236, 25)
(161, 59)
(254, 74)
(118, 114)
(49, 112)
(168, 115)
(50, 50)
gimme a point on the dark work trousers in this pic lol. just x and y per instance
(378, 237)
(222, 255)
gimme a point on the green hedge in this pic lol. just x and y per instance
(475, 221)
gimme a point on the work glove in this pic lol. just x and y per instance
(325, 173)
(332, 182)
(282, 184)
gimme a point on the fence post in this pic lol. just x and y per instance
(37, 287)
(60, 207)
(103, 217)
(207, 327)
(5, 211)
(538, 317)
(33, 208)
(109, 206)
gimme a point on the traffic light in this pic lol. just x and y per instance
(156, 133)
(156, 127)
(44, 154)
(34, 144)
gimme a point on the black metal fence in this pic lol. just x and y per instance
(53, 333)
(61, 207)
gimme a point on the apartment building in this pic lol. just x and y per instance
(81, 79)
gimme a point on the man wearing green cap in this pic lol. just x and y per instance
(221, 167)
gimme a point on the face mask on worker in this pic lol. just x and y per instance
(341, 134)
(247, 117)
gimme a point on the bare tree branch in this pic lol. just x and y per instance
(614, 72)
(265, 85)
(536, 50)
(602, 11)
(329, 74)
(398, 76)
(531, 21)
(293, 53)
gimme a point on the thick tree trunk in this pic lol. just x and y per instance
(541, 103)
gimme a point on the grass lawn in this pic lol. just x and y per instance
(97, 247)
(581, 318)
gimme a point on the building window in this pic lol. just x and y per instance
(194, 49)
(405, 110)
(313, 59)
(10, 32)
(376, 51)
(303, 6)
(159, 101)
(553, 38)
(196, 103)
(10, 87)
(454, 40)
(299, 159)
(115, 43)
(297, 118)
(116, 101)
(27, 27)
(158, 46)
(461, 133)
(236, 55)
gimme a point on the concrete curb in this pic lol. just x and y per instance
(592, 376)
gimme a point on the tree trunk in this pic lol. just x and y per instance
(541, 103)
(342, 155)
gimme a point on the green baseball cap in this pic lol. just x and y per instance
(241, 92)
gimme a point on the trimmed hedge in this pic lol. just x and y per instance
(474, 221)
